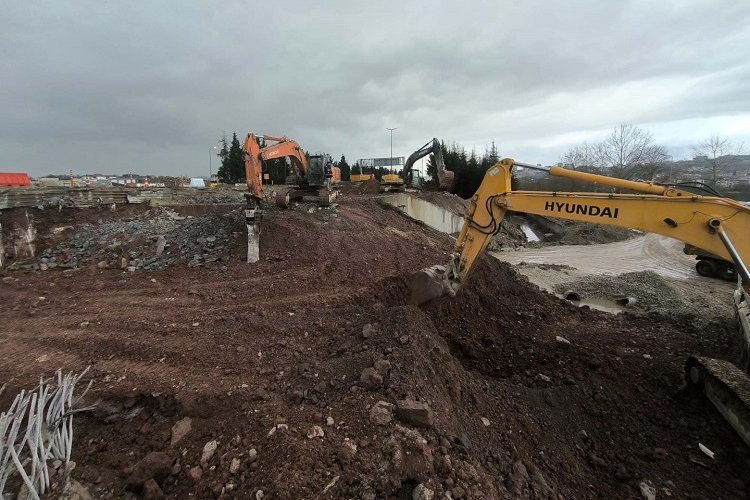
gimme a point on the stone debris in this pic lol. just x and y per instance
(208, 452)
(181, 429)
(315, 432)
(422, 492)
(370, 379)
(415, 413)
(156, 465)
(381, 413)
(648, 491)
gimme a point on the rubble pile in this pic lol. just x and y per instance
(153, 240)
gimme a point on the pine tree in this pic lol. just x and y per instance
(223, 173)
(345, 169)
(232, 168)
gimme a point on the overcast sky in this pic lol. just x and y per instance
(148, 87)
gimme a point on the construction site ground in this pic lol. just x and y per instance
(308, 376)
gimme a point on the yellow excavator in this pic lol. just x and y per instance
(715, 225)
(397, 183)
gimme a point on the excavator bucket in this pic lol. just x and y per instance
(428, 284)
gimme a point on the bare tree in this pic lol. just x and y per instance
(629, 152)
(713, 148)
(579, 157)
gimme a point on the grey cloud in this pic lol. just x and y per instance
(151, 86)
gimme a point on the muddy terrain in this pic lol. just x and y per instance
(307, 376)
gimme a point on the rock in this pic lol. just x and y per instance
(208, 452)
(258, 495)
(131, 269)
(84, 324)
(422, 492)
(485, 421)
(659, 454)
(347, 451)
(539, 484)
(43, 267)
(562, 340)
(621, 473)
(151, 490)
(543, 378)
(381, 413)
(195, 473)
(234, 466)
(277, 427)
(315, 431)
(75, 491)
(102, 264)
(181, 429)
(519, 479)
(458, 492)
(382, 366)
(597, 460)
(370, 379)
(368, 331)
(329, 421)
(415, 413)
(648, 491)
(252, 455)
(156, 465)
(161, 242)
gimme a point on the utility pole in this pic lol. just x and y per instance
(391, 160)
(210, 155)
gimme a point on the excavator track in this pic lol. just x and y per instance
(726, 386)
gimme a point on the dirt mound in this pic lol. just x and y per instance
(305, 376)
(370, 186)
(445, 200)
(584, 233)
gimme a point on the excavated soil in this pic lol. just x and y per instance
(317, 334)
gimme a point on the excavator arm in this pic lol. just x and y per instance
(255, 155)
(445, 177)
(717, 225)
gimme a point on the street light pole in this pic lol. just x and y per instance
(391, 162)
(210, 168)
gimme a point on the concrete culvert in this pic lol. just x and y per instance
(571, 295)
(626, 301)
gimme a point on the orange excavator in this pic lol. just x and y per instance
(314, 177)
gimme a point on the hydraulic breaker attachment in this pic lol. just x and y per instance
(253, 218)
